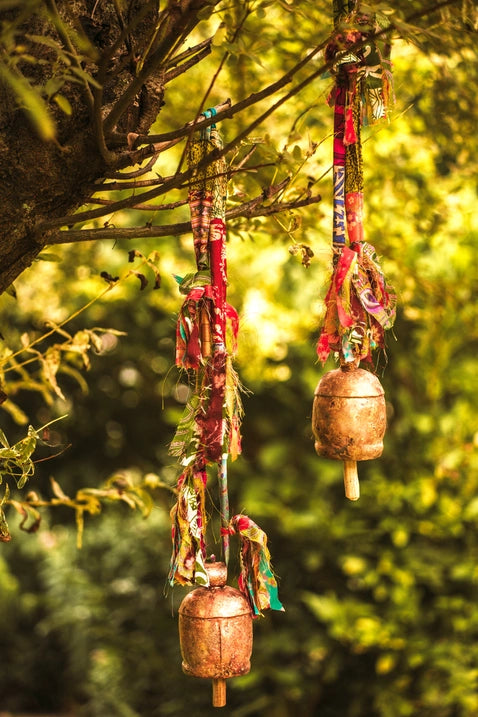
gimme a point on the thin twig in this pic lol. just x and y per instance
(135, 173)
(143, 207)
(116, 186)
(179, 69)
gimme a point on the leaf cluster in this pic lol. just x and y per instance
(36, 67)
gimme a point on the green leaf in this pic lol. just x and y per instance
(3, 439)
(53, 85)
(86, 77)
(18, 415)
(48, 256)
(6, 495)
(28, 98)
(63, 104)
(45, 40)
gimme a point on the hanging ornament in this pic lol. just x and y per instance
(349, 420)
(215, 622)
(349, 406)
(215, 632)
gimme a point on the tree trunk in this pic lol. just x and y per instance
(120, 47)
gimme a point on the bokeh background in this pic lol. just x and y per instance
(381, 614)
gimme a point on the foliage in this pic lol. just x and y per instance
(381, 616)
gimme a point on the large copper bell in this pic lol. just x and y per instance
(215, 632)
(349, 420)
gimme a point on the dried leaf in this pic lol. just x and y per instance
(51, 363)
(57, 490)
(27, 513)
(81, 345)
(107, 277)
(5, 536)
(133, 254)
(142, 279)
(96, 341)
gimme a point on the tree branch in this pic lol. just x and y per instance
(181, 179)
(196, 125)
(254, 208)
(177, 68)
(178, 21)
(227, 113)
(143, 207)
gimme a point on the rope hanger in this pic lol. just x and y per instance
(360, 305)
(209, 432)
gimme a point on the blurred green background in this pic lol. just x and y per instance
(381, 603)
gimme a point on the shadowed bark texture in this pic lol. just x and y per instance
(118, 54)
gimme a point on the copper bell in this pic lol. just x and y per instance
(215, 632)
(349, 420)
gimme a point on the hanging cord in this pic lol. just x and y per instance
(359, 304)
(209, 430)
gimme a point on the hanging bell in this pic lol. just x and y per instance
(215, 632)
(349, 420)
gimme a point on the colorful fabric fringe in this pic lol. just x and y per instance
(360, 305)
(209, 430)
(188, 517)
(369, 63)
(206, 339)
(207, 326)
(256, 580)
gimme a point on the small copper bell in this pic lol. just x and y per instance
(215, 632)
(349, 420)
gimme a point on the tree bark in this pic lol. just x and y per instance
(125, 53)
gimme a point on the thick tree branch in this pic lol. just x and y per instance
(254, 208)
(128, 50)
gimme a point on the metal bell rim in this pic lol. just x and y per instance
(350, 382)
(229, 597)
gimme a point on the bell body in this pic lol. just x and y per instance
(215, 629)
(349, 415)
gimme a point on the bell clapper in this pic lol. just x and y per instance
(219, 692)
(351, 481)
